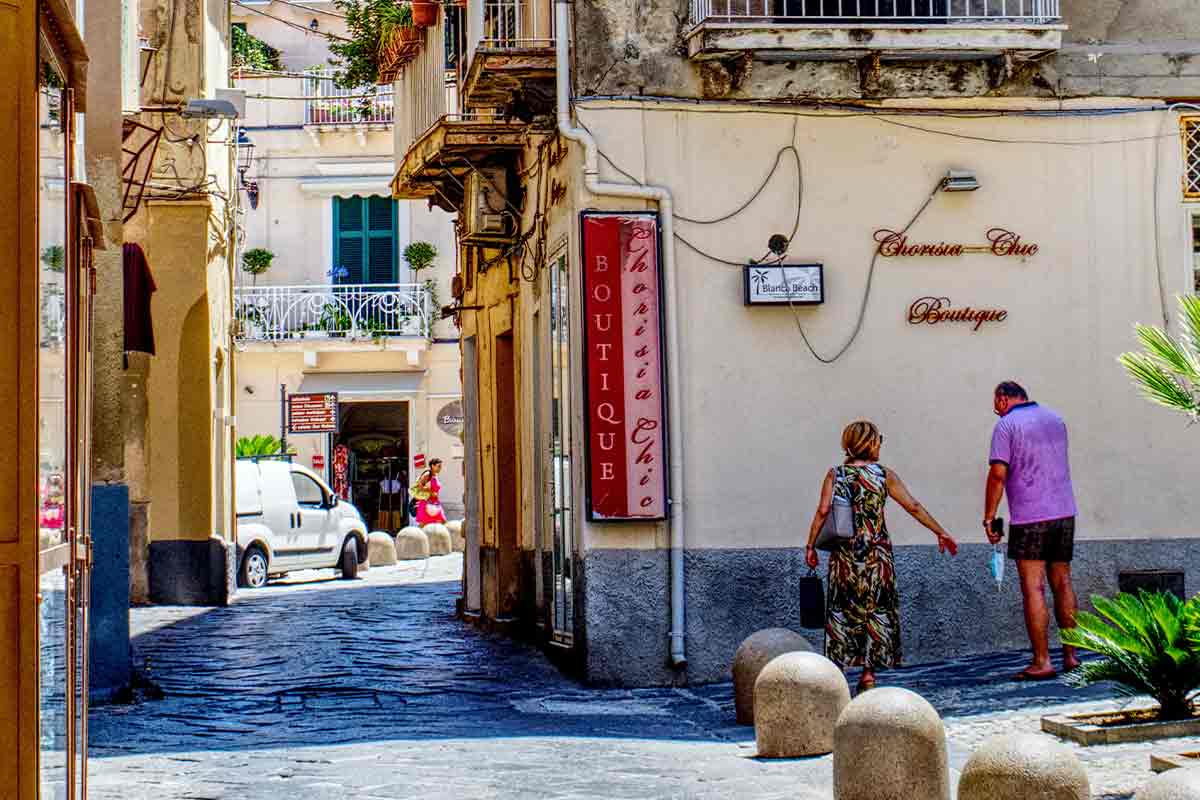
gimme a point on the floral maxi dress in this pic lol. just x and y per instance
(863, 625)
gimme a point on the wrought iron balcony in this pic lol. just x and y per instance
(364, 312)
(898, 26)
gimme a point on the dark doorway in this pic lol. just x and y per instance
(507, 480)
(376, 435)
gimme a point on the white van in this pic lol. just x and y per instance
(288, 519)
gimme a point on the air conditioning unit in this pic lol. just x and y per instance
(488, 218)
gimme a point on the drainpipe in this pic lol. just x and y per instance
(662, 196)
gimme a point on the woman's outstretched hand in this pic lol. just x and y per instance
(947, 543)
(811, 558)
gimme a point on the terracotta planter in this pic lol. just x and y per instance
(425, 15)
(396, 50)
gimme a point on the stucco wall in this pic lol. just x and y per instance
(1145, 48)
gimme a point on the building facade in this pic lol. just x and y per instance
(802, 134)
(341, 309)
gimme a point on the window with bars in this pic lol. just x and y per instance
(1189, 132)
(364, 239)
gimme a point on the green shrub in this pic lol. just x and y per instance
(251, 52)
(369, 23)
(1150, 645)
(54, 257)
(419, 255)
(260, 445)
(257, 260)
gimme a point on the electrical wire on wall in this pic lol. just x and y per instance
(881, 115)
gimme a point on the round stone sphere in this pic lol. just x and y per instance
(1025, 766)
(752, 655)
(439, 539)
(1176, 784)
(798, 698)
(412, 544)
(457, 539)
(889, 744)
(381, 549)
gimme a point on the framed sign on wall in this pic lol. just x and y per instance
(784, 284)
(624, 391)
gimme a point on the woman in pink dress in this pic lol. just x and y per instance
(429, 508)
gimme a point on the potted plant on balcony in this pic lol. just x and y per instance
(418, 256)
(334, 320)
(381, 38)
(252, 322)
(424, 13)
(256, 261)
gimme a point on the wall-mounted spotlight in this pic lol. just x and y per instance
(960, 180)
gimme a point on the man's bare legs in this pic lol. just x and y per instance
(1059, 573)
(1037, 616)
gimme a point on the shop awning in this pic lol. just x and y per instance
(364, 386)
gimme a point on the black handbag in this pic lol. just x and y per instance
(812, 601)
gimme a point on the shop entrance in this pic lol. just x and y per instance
(375, 436)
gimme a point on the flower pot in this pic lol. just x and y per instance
(316, 334)
(425, 15)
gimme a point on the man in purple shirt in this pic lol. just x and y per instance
(1029, 460)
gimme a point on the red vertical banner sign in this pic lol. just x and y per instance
(627, 470)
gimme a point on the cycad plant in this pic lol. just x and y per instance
(1168, 370)
(260, 445)
(1150, 645)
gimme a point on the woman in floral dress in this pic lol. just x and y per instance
(863, 609)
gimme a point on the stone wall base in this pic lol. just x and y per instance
(192, 572)
(949, 607)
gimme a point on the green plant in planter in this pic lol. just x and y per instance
(260, 445)
(54, 257)
(419, 255)
(251, 52)
(1168, 370)
(256, 261)
(369, 24)
(1150, 644)
(435, 305)
(334, 318)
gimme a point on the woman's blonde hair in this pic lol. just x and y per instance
(861, 439)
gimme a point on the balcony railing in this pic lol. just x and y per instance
(517, 24)
(881, 12)
(333, 105)
(353, 311)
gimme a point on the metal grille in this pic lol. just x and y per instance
(329, 104)
(1012, 12)
(352, 311)
(1189, 132)
(516, 24)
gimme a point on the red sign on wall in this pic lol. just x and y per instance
(622, 322)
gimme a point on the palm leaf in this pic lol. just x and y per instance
(1157, 385)
(1173, 355)
(1189, 319)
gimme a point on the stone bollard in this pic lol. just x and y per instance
(382, 549)
(439, 539)
(457, 540)
(752, 655)
(798, 698)
(1176, 784)
(889, 744)
(412, 544)
(1024, 766)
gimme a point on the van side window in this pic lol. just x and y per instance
(308, 491)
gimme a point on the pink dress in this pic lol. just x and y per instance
(430, 511)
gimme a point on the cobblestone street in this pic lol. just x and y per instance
(317, 688)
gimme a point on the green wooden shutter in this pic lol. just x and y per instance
(365, 238)
(349, 241)
(381, 236)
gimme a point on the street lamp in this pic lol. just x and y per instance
(245, 155)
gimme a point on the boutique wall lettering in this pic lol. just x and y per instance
(938, 310)
(626, 431)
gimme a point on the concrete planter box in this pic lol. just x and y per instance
(1161, 762)
(1118, 727)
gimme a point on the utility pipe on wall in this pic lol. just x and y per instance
(662, 196)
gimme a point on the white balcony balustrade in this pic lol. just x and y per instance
(364, 312)
(517, 24)
(867, 12)
(329, 104)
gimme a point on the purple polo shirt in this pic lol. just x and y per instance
(1032, 441)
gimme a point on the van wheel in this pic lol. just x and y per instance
(349, 559)
(254, 569)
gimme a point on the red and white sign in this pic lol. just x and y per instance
(622, 322)
(318, 462)
(419, 461)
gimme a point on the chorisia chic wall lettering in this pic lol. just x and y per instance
(1001, 242)
(626, 451)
